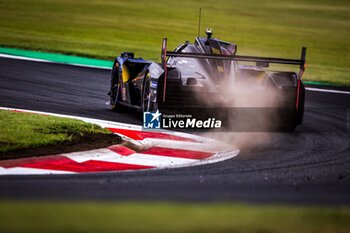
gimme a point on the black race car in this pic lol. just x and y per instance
(203, 75)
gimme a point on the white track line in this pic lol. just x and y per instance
(107, 68)
(102, 123)
(327, 90)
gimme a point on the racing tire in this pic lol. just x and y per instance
(115, 89)
(146, 104)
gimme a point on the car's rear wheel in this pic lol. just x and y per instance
(146, 104)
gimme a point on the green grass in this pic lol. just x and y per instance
(166, 217)
(104, 28)
(26, 130)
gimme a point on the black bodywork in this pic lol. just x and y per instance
(198, 75)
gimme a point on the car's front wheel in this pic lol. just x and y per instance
(115, 88)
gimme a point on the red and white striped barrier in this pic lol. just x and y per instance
(155, 150)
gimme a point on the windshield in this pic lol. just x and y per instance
(227, 48)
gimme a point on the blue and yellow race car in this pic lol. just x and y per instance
(199, 75)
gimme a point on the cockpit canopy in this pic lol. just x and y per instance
(215, 46)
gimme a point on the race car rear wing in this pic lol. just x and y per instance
(258, 60)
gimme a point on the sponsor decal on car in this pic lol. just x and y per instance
(154, 84)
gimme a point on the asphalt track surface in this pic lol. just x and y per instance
(309, 166)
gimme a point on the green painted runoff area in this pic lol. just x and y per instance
(54, 57)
